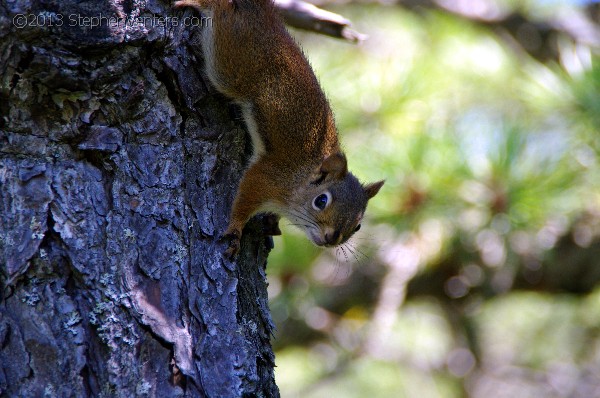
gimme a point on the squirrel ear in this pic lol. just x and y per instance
(335, 165)
(372, 189)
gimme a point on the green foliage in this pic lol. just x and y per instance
(491, 168)
(360, 379)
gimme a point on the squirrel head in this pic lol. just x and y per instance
(329, 206)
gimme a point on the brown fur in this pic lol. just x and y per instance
(253, 60)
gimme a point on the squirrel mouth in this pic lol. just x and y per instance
(315, 237)
(318, 241)
(326, 241)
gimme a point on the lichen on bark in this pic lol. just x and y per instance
(118, 165)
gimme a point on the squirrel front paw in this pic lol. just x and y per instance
(271, 224)
(233, 237)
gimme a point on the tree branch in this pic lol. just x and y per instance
(303, 15)
(538, 38)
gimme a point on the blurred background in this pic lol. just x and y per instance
(476, 271)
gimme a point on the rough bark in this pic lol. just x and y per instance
(117, 170)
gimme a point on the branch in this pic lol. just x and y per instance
(538, 38)
(306, 16)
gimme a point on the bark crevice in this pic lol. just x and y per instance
(117, 172)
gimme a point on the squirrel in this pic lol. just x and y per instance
(298, 169)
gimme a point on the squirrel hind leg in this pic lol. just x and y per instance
(199, 5)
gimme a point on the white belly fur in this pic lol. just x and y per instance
(257, 142)
(208, 46)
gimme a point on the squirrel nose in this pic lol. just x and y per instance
(332, 237)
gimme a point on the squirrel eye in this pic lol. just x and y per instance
(321, 201)
(357, 228)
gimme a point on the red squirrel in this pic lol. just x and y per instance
(298, 169)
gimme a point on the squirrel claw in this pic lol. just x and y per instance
(234, 244)
(271, 225)
(232, 250)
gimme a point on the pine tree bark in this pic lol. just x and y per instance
(118, 166)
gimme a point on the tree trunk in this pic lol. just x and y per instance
(117, 171)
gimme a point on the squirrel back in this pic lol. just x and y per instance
(298, 169)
